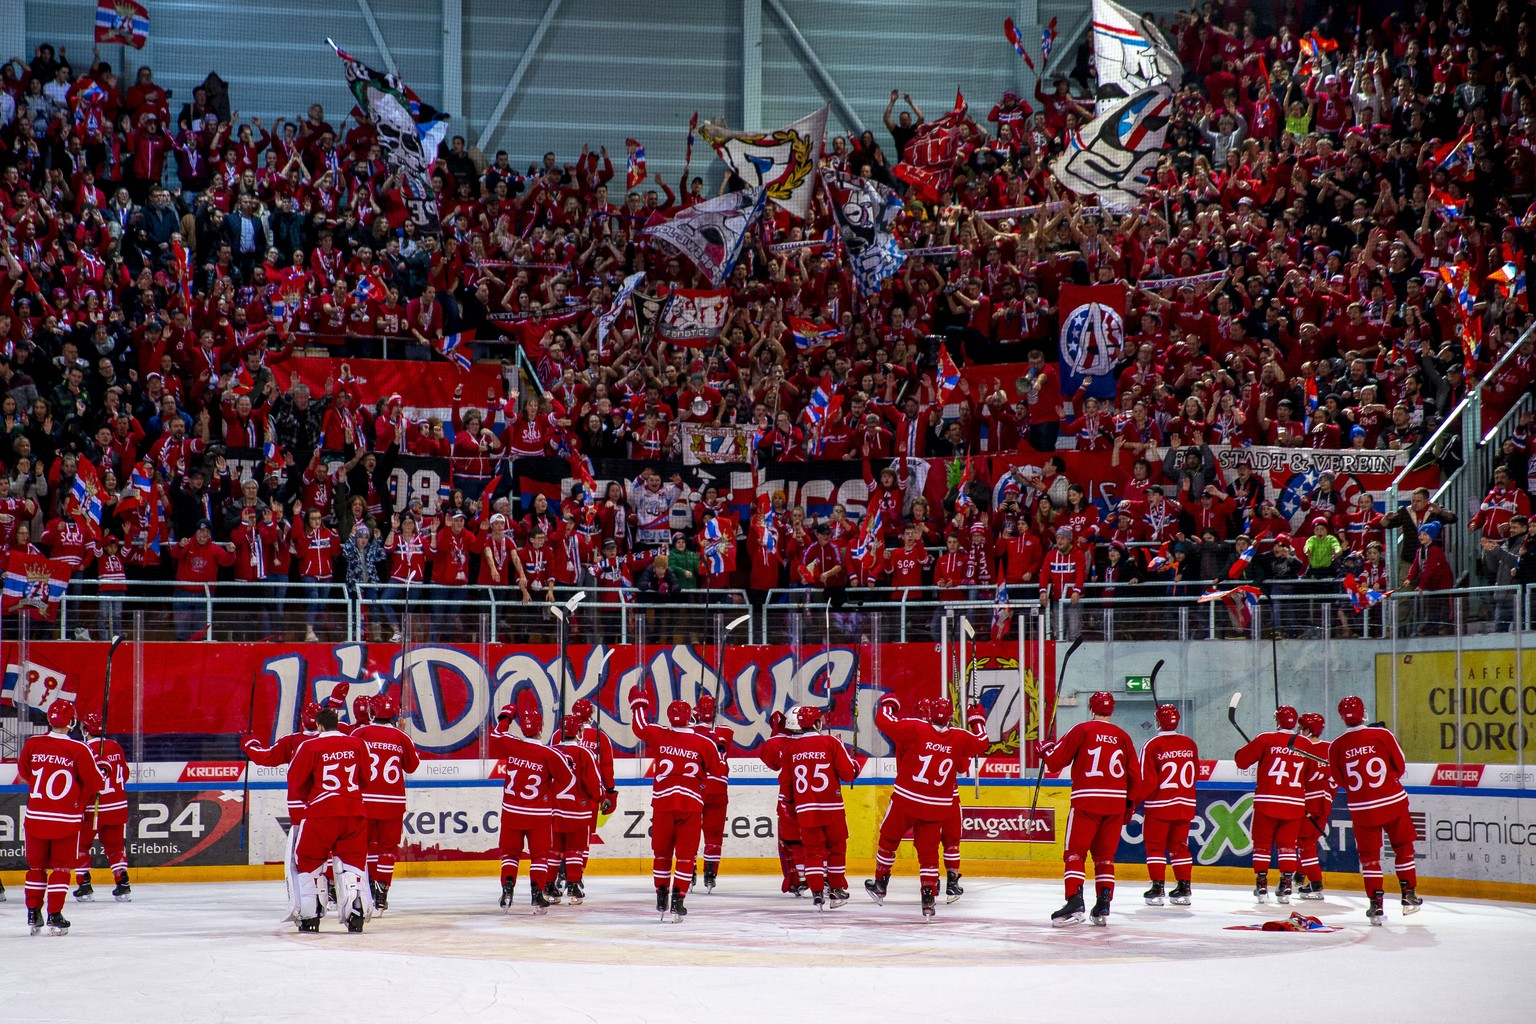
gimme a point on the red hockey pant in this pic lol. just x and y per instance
(568, 844)
(713, 828)
(1167, 842)
(926, 835)
(1268, 832)
(791, 856)
(1097, 834)
(949, 835)
(383, 846)
(49, 859)
(525, 835)
(825, 848)
(1368, 842)
(674, 845)
(113, 841)
(1308, 833)
(321, 838)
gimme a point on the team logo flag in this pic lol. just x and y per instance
(122, 23)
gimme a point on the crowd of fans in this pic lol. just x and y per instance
(144, 332)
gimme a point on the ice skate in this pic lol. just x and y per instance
(1154, 895)
(575, 893)
(2, 893)
(57, 925)
(661, 902)
(928, 903)
(540, 899)
(309, 924)
(123, 892)
(552, 892)
(85, 892)
(1180, 895)
(837, 897)
(679, 911)
(1374, 913)
(1412, 901)
(1260, 889)
(508, 890)
(952, 888)
(1070, 913)
(35, 919)
(355, 917)
(819, 899)
(1309, 890)
(1283, 890)
(380, 896)
(876, 887)
(710, 876)
(1099, 915)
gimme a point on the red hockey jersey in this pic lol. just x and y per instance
(928, 757)
(1280, 776)
(535, 774)
(1369, 764)
(1169, 770)
(61, 777)
(327, 776)
(1105, 771)
(391, 757)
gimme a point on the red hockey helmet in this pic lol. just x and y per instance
(1167, 717)
(61, 714)
(1352, 710)
(583, 709)
(922, 708)
(1102, 703)
(808, 718)
(309, 716)
(704, 710)
(940, 711)
(1312, 723)
(385, 708)
(570, 726)
(679, 714)
(1285, 716)
(362, 709)
(90, 724)
(530, 720)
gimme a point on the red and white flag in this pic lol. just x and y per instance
(122, 22)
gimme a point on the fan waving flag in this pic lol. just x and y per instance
(866, 213)
(1361, 596)
(610, 316)
(122, 23)
(783, 163)
(34, 584)
(449, 349)
(634, 167)
(712, 233)
(811, 337)
(1011, 33)
(949, 376)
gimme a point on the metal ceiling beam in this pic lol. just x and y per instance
(818, 69)
(453, 64)
(751, 65)
(378, 36)
(529, 53)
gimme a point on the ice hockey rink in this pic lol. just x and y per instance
(444, 952)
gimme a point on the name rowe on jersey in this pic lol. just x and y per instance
(1169, 769)
(1369, 764)
(717, 788)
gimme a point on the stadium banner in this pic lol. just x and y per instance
(705, 445)
(194, 827)
(426, 389)
(1482, 710)
(193, 698)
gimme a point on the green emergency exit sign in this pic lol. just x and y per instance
(1138, 684)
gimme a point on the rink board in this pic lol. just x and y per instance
(1482, 839)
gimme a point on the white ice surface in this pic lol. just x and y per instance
(212, 953)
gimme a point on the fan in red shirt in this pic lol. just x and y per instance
(1105, 774)
(813, 766)
(928, 757)
(1169, 767)
(684, 760)
(575, 811)
(535, 773)
(1369, 764)
(108, 816)
(1320, 787)
(61, 777)
(1279, 803)
(326, 779)
(1062, 575)
(391, 757)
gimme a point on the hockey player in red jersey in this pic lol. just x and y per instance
(1169, 767)
(535, 773)
(574, 808)
(716, 787)
(813, 767)
(683, 760)
(1369, 764)
(602, 750)
(1105, 774)
(61, 777)
(391, 757)
(107, 816)
(951, 828)
(1279, 801)
(791, 855)
(1319, 787)
(928, 755)
(326, 781)
(281, 752)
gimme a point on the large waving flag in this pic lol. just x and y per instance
(1113, 156)
(122, 23)
(409, 134)
(866, 214)
(610, 316)
(34, 584)
(450, 348)
(711, 233)
(1011, 33)
(1129, 55)
(782, 163)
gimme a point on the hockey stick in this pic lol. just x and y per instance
(106, 698)
(967, 645)
(565, 614)
(245, 785)
(1232, 716)
(725, 636)
(1045, 730)
(1153, 681)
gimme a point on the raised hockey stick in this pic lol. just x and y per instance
(245, 785)
(967, 645)
(1232, 716)
(1153, 682)
(1061, 678)
(106, 699)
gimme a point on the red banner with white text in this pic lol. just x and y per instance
(426, 389)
